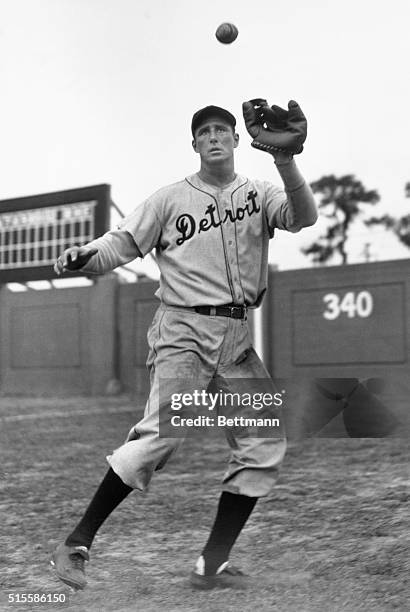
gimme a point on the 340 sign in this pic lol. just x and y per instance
(350, 304)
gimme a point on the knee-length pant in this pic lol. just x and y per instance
(187, 352)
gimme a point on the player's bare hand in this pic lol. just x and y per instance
(73, 259)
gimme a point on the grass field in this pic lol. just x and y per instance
(334, 534)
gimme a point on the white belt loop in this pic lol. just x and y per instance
(212, 311)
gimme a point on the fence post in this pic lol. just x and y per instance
(102, 333)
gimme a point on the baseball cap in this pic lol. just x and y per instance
(211, 111)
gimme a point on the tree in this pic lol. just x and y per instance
(400, 226)
(341, 200)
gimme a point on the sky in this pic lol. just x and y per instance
(103, 91)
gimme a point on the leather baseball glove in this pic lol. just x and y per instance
(273, 128)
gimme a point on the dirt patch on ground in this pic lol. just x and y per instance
(333, 535)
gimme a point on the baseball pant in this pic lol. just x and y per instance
(190, 351)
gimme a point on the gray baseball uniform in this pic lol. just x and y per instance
(212, 250)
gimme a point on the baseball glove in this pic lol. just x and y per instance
(273, 128)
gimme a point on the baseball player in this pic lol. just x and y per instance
(211, 234)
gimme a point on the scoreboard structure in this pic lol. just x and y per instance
(35, 230)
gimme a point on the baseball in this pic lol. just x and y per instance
(226, 33)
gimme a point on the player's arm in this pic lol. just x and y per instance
(282, 133)
(300, 209)
(113, 249)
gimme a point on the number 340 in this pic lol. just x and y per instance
(351, 304)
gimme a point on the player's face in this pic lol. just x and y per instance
(215, 140)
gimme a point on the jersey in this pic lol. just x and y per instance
(211, 243)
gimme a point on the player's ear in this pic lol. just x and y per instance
(236, 140)
(194, 146)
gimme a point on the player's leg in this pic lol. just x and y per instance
(111, 492)
(243, 485)
(177, 368)
(70, 556)
(252, 470)
(213, 568)
(174, 368)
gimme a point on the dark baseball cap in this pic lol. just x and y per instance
(211, 111)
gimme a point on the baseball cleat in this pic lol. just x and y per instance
(225, 577)
(68, 562)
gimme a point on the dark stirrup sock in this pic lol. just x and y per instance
(233, 512)
(108, 496)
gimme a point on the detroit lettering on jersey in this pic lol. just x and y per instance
(187, 226)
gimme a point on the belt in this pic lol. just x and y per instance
(235, 312)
